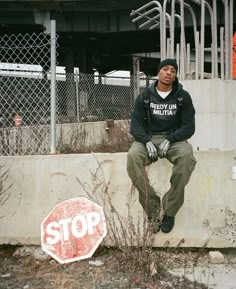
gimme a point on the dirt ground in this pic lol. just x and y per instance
(109, 268)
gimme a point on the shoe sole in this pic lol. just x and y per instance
(166, 231)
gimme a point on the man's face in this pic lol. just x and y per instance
(167, 75)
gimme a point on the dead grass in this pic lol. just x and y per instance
(132, 269)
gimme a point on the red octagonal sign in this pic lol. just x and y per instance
(73, 230)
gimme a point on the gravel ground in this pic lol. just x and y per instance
(109, 268)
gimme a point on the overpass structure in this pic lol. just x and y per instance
(100, 35)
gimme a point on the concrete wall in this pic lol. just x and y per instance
(39, 182)
(34, 184)
(215, 103)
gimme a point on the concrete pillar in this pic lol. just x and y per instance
(84, 64)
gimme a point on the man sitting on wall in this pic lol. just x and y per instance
(162, 121)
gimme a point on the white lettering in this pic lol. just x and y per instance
(52, 229)
(172, 106)
(74, 226)
(79, 226)
(93, 219)
(65, 229)
(158, 105)
(163, 112)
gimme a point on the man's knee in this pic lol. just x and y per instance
(130, 157)
(136, 153)
(187, 161)
(131, 160)
(188, 155)
(185, 154)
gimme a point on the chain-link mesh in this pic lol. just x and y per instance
(87, 97)
(24, 93)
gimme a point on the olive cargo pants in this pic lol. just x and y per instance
(180, 154)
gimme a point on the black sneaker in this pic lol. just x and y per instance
(167, 223)
(154, 225)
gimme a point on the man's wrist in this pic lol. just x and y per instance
(170, 138)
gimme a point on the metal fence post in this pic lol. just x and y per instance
(136, 70)
(53, 89)
(77, 95)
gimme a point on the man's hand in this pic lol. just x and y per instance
(152, 151)
(163, 148)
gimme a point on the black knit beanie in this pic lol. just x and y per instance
(168, 61)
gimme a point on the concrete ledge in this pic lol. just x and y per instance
(34, 184)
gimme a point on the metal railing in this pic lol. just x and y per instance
(154, 14)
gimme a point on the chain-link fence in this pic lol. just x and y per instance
(24, 93)
(87, 97)
(84, 100)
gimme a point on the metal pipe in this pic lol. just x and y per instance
(154, 26)
(196, 35)
(212, 62)
(172, 35)
(164, 28)
(168, 48)
(214, 49)
(171, 44)
(188, 59)
(182, 42)
(169, 19)
(136, 69)
(149, 21)
(77, 94)
(177, 54)
(142, 15)
(215, 37)
(170, 55)
(202, 39)
(182, 74)
(213, 40)
(195, 32)
(144, 6)
(183, 33)
(225, 2)
(193, 18)
(159, 8)
(222, 52)
(197, 55)
(53, 89)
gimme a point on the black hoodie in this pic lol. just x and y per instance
(173, 116)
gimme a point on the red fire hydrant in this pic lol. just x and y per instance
(18, 120)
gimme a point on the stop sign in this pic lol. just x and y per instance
(73, 230)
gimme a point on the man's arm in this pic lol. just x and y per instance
(187, 120)
(137, 128)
